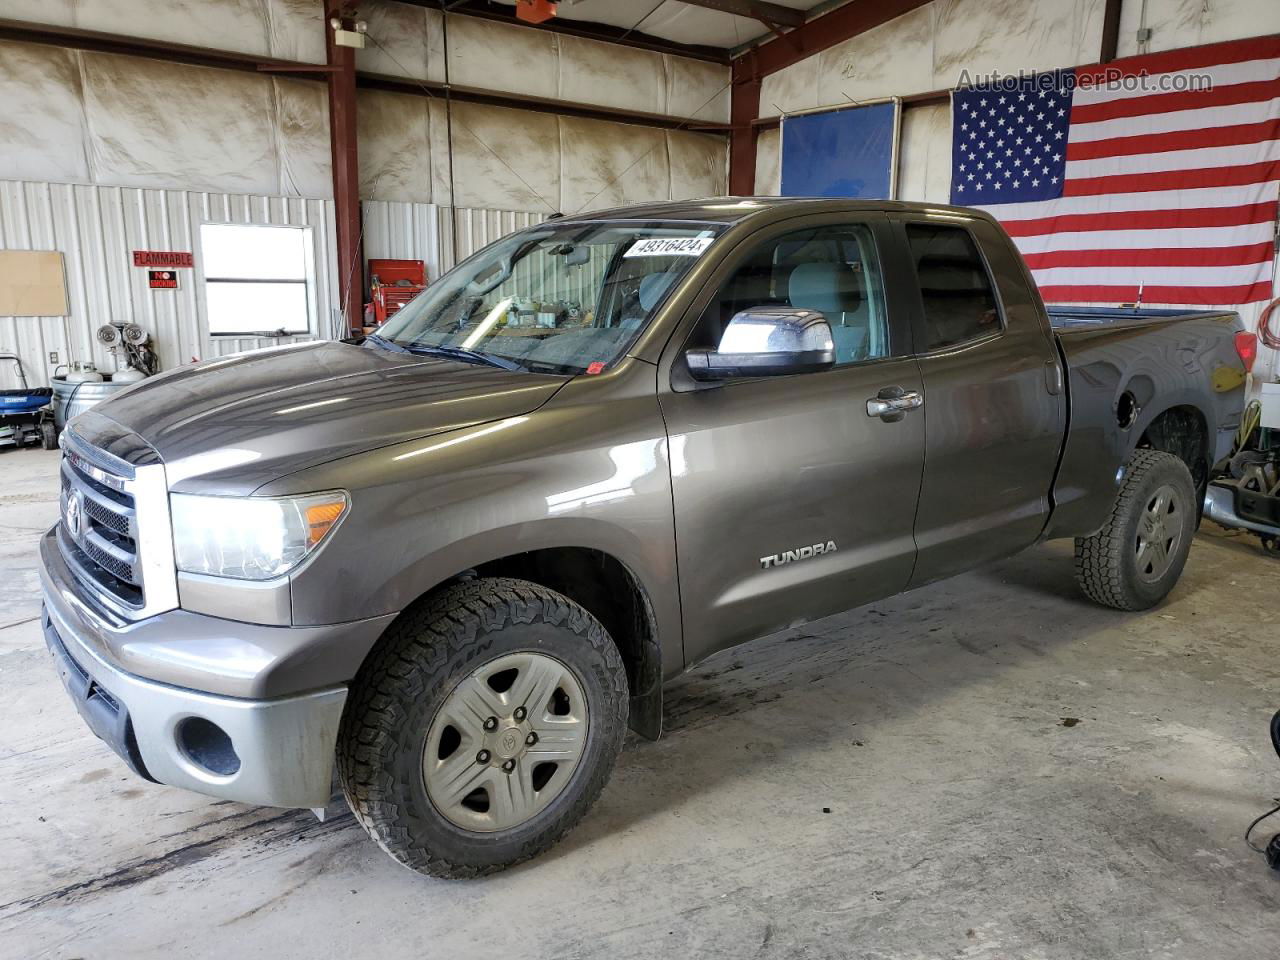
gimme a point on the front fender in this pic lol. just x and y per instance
(589, 470)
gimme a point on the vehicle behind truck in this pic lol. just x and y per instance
(448, 565)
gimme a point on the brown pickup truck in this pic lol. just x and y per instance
(455, 560)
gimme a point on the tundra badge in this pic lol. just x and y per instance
(800, 553)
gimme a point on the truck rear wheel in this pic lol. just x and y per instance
(1136, 558)
(483, 727)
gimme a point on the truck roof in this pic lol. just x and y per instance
(734, 209)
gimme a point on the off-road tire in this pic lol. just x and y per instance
(429, 650)
(1106, 563)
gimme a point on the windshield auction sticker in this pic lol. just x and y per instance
(669, 247)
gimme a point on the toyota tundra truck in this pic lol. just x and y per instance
(448, 565)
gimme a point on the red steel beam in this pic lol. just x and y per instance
(766, 12)
(744, 108)
(346, 171)
(822, 33)
(564, 108)
(1110, 31)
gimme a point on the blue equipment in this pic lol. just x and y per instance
(25, 414)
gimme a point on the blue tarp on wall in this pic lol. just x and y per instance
(840, 153)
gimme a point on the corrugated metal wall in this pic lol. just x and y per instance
(97, 228)
(407, 231)
(425, 231)
(479, 228)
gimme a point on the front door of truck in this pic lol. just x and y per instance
(996, 407)
(793, 500)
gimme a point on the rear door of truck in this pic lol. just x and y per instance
(995, 407)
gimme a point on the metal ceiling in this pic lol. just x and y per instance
(723, 24)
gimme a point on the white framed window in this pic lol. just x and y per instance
(257, 279)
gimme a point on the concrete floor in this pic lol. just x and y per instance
(968, 816)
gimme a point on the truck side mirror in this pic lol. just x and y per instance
(767, 342)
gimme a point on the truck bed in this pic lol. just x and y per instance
(1069, 318)
(1125, 367)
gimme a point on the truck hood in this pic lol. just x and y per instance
(230, 425)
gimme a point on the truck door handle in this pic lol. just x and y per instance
(1053, 378)
(892, 403)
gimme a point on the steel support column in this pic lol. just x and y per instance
(744, 107)
(346, 171)
(1110, 31)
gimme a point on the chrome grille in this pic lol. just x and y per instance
(105, 517)
(121, 595)
(117, 566)
(98, 534)
(115, 533)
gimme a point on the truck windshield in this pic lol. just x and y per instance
(563, 298)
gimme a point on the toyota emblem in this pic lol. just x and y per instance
(74, 511)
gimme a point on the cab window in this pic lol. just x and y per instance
(831, 269)
(956, 292)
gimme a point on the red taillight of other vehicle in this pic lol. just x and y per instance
(1247, 347)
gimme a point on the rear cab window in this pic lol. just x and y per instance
(956, 291)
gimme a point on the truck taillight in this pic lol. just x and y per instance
(1247, 347)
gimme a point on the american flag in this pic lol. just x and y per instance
(1160, 188)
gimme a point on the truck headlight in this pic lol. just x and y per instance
(251, 538)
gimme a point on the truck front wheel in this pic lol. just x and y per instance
(483, 727)
(1136, 558)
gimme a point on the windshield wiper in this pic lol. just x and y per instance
(387, 344)
(466, 356)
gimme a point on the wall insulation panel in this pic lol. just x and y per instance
(1191, 23)
(129, 121)
(408, 41)
(928, 48)
(924, 153)
(97, 228)
(769, 163)
(288, 29)
(520, 160)
(42, 125)
(403, 146)
(404, 40)
(503, 158)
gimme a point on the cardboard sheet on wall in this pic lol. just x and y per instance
(33, 283)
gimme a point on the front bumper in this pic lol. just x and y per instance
(284, 745)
